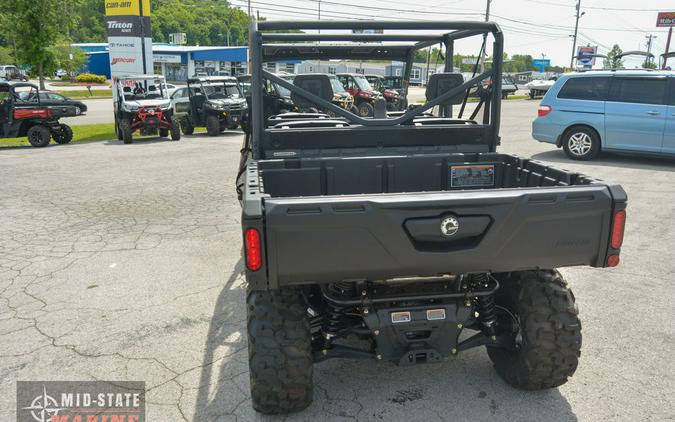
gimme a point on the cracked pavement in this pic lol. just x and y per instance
(122, 262)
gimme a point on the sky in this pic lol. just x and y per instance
(532, 27)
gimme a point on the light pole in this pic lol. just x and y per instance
(487, 18)
(576, 29)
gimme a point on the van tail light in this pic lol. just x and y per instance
(253, 249)
(618, 225)
(613, 260)
(544, 110)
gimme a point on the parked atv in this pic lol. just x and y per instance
(390, 95)
(142, 105)
(214, 102)
(22, 114)
(364, 94)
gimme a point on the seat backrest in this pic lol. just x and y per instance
(316, 83)
(440, 83)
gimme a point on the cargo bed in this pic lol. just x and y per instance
(378, 217)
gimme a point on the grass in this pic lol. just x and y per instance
(81, 133)
(84, 93)
(68, 83)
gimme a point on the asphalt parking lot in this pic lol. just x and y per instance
(122, 262)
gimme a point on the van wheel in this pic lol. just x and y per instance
(39, 136)
(63, 135)
(212, 125)
(125, 131)
(538, 310)
(581, 143)
(279, 351)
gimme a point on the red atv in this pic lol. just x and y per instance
(21, 114)
(364, 94)
(392, 96)
(142, 105)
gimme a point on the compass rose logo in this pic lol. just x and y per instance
(43, 407)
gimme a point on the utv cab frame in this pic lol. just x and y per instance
(407, 229)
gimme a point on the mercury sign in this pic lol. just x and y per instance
(129, 36)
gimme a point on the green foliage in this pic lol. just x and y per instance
(649, 64)
(91, 78)
(6, 55)
(206, 22)
(34, 25)
(69, 58)
(612, 61)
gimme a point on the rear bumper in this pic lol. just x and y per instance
(544, 130)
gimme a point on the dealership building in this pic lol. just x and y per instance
(175, 62)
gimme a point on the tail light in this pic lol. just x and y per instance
(618, 225)
(253, 249)
(544, 110)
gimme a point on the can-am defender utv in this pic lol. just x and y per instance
(214, 102)
(142, 105)
(406, 230)
(390, 95)
(22, 114)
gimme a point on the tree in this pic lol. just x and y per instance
(6, 56)
(36, 28)
(612, 61)
(649, 64)
(69, 58)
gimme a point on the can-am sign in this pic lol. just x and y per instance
(665, 19)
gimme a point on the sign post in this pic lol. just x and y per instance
(542, 64)
(590, 51)
(666, 19)
(129, 37)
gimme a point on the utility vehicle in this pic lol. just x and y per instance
(142, 105)
(390, 95)
(406, 237)
(214, 102)
(22, 114)
(364, 95)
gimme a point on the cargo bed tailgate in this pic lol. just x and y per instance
(334, 238)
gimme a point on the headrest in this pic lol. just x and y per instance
(317, 84)
(126, 89)
(440, 83)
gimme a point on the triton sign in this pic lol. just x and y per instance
(129, 37)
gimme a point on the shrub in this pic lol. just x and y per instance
(91, 78)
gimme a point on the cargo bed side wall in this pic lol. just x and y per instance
(345, 176)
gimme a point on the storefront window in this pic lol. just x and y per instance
(176, 72)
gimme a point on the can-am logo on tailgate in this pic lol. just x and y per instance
(449, 226)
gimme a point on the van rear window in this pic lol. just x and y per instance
(588, 88)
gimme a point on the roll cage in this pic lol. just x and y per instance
(267, 44)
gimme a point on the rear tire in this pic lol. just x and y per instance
(174, 130)
(63, 135)
(125, 131)
(550, 331)
(39, 136)
(212, 125)
(581, 143)
(280, 351)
